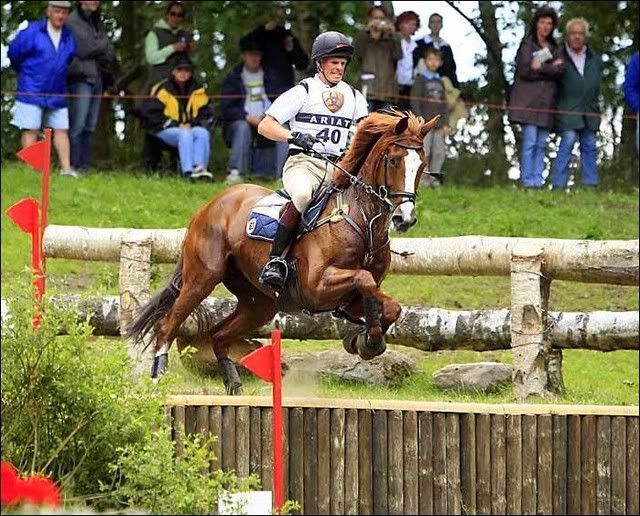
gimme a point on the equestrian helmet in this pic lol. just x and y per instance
(331, 44)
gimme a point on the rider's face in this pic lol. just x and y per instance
(333, 68)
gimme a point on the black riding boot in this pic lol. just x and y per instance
(274, 273)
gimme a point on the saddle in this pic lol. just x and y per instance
(262, 221)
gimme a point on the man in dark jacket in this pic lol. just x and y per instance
(281, 51)
(579, 91)
(40, 55)
(246, 94)
(448, 68)
(95, 56)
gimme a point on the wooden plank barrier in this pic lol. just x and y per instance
(395, 457)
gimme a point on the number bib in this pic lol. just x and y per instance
(329, 114)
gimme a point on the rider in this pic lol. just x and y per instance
(322, 111)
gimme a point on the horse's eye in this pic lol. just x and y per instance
(393, 162)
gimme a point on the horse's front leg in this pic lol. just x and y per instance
(379, 310)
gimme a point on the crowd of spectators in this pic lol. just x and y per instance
(68, 56)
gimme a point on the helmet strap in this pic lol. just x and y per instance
(321, 71)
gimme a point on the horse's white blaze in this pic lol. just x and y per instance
(412, 164)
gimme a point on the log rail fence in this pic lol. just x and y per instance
(532, 264)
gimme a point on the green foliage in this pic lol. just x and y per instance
(164, 484)
(72, 410)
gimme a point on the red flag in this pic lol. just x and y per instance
(25, 214)
(260, 362)
(37, 155)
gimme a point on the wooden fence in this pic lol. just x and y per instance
(393, 457)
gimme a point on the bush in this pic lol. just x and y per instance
(72, 410)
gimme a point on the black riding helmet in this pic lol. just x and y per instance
(330, 44)
(333, 44)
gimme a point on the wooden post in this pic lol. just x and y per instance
(528, 317)
(553, 356)
(135, 278)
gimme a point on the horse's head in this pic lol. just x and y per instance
(387, 151)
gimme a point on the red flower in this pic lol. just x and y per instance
(36, 490)
(40, 491)
(9, 485)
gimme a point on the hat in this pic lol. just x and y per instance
(181, 60)
(60, 3)
(249, 44)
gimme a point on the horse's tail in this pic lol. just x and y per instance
(155, 309)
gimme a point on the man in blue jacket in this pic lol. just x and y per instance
(40, 54)
(247, 92)
(632, 90)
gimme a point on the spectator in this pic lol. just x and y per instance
(407, 23)
(40, 55)
(579, 92)
(281, 51)
(377, 49)
(180, 114)
(95, 55)
(428, 99)
(539, 68)
(166, 39)
(245, 94)
(632, 90)
(448, 68)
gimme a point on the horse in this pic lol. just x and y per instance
(340, 265)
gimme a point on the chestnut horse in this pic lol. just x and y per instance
(340, 265)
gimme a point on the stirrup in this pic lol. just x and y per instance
(272, 276)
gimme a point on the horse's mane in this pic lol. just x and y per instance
(369, 132)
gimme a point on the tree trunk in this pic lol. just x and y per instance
(426, 329)
(496, 90)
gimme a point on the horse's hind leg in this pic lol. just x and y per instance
(198, 282)
(254, 309)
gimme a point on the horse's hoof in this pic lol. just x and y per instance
(350, 341)
(160, 363)
(372, 347)
(234, 389)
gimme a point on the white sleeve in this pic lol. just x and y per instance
(287, 105)
(362, 109)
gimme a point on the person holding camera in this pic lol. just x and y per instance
(377, 50)
(166, 39)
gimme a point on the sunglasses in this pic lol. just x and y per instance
(176, 14)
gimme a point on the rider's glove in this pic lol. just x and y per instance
(303, 140)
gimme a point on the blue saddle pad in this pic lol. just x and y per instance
(262, 222)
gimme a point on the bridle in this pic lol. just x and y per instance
(381, 192)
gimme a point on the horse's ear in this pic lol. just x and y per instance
(402, 125)
(428, 126)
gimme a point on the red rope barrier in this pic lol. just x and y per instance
(502, 107)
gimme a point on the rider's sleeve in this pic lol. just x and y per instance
(287, 105)
(362, 109)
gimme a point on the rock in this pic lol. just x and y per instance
(480, 376)
(387, 369)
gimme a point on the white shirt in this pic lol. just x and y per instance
(54, 34)
(578, 58)
(307, 112)
(437, 43)
(404, 70)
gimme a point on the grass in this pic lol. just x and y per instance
(142, 201)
